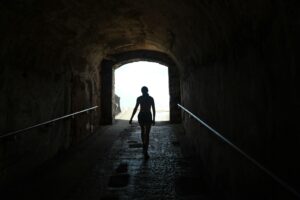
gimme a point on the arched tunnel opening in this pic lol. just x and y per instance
(128, 81)
(233, 64)
(118, 60)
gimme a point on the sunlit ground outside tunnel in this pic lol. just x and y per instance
(131, 77)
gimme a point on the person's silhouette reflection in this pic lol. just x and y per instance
(145, 117)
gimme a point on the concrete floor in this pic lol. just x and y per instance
(110, 165)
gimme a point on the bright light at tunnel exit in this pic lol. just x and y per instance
(131, 77)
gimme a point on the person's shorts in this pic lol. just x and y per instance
(145, 118)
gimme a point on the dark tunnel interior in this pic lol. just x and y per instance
(234, 64)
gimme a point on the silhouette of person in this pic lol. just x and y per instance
(145, 117)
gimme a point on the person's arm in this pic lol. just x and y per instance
(134, 111)
(153, 111)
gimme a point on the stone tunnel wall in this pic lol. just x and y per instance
(41, 78)
(37, 93)
(249, 94)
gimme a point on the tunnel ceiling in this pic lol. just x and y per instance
(187, 29)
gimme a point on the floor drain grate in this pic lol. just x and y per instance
(135, 145)
(122, 168)
(132, 142)
(119, 180)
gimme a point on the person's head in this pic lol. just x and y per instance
(144, 90)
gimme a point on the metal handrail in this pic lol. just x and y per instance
(255, 162)
(45, 123)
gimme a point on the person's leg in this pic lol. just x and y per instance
(146, 136)
(146, 140)
(143, 133)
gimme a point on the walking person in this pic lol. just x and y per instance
(145, 120)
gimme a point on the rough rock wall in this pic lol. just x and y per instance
(41, 78)
(249, 94)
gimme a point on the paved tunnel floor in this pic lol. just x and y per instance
(110, 165)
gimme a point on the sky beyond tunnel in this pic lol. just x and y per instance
(129, 79)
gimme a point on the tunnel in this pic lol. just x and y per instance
(232, 64)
